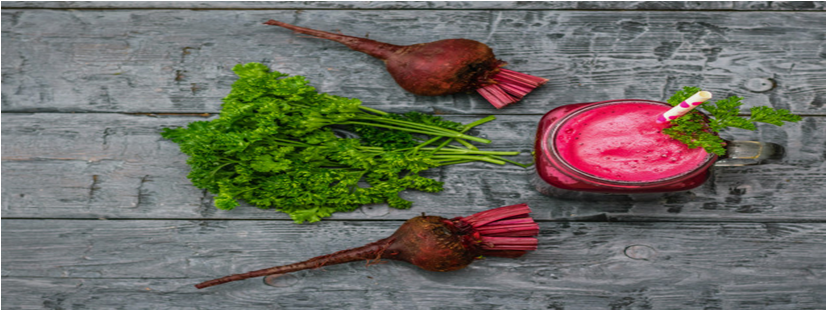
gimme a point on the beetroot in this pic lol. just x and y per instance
(432, 243)
(441, 67)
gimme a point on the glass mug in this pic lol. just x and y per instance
(590, 150)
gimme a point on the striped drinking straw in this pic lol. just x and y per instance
(684, 107)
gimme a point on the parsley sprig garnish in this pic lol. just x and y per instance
(278, 143)
(698, 130)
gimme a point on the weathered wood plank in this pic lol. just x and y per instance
(59, 165)
(433, 5)
(180, 61)
(162, 294)
(751, 238)
(60, 264)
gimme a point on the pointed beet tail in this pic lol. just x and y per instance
(373, 48)
(372, 251)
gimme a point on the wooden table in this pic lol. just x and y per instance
(97, 212)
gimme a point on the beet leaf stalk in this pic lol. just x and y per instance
(441, 67)
(432, 243)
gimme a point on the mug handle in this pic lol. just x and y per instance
(744, 152)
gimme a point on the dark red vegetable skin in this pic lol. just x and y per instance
(432, 243)
(442, 67)
(370, 251)
(428, 242)
(436, 68)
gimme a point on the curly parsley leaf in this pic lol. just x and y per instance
(701, 130)
(273, 146)
(771, 116)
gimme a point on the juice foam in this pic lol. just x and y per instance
(624, 142)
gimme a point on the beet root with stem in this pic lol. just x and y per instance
(441, 67)
(432, 243)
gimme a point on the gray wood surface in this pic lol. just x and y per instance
(117, 166)
(97, 212)
(440, 5)
(579, 265)
(179, 61)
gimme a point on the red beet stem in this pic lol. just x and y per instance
(432, 243)
(370, 251)
(504, 232)
(516, 230)
(510, 221)
(485, 217)
(441, 67)
(496, 96)
(509, 243)
(373, 48)
(510, 87)
(520, 78)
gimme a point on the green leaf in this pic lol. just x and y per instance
(682, 95)
(273, 146)
(265, 164)
(769, 115)
(697, 130)
(225, 202)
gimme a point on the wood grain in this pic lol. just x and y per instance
(97, 212)
(95, 165)
(87, 264)
(180, 61)
(441, 5)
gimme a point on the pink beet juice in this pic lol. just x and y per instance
(614, 147)
(624, 142)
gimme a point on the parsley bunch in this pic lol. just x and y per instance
(277, 144)
(700, 130)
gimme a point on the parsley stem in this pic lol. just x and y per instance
(445, 133)
(466, 151)
(445, 163)
(376, 111)
(454, 147)
(466, 128)
(443, 144)
(272, 146)
(469, 157)
(428, 142)
(412, 125)
(478, 122)
(287, 142)
(513, 162)
(215, 171)
(466, 144)
(371, 149)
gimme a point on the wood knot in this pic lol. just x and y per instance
(281, 280)
(760, 85)
(375, 210)
(641, 252)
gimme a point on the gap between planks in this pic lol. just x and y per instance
(598, 218)
(618, 9)
(211, 114)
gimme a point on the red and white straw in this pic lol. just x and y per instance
(678, 111)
